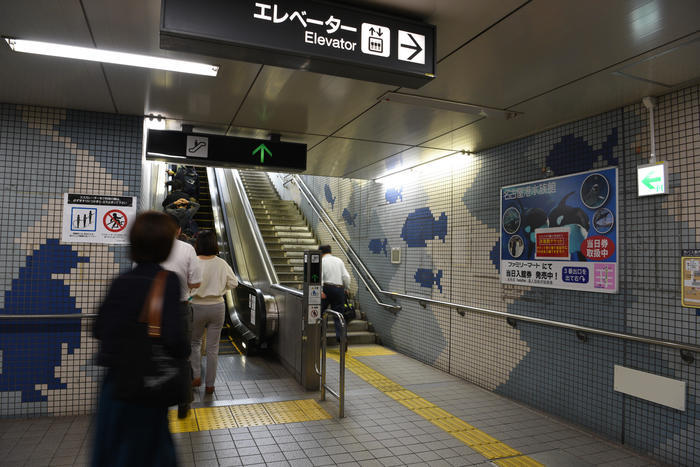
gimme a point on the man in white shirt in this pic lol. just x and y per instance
(184, 263)
(335, 280)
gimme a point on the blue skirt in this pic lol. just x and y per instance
(130, 434)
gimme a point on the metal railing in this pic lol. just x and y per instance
(354, 262)
(340, 395)
(340, 239)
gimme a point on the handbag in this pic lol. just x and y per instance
(348, 310)
(146, 373)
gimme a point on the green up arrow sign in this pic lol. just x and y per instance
(261, 149)
(652, 179)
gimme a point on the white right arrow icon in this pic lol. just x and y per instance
(411, 47)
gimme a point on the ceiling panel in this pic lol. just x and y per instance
(53, 82)
(393, 122)
(405, 159)
(180, 95)
(45, 20)
(133, 26)
(461, 21)
(337, 157)
(672, 67)
(594, 95)
(305, 102)
(549, 43)
(128, 25)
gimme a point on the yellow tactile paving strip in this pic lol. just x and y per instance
(215, 418)
(232, 416)
(252, 415)
(519, 461)
(477, 440)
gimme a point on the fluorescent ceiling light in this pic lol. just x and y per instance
(109, 56)
(451, 106)
(160, 154)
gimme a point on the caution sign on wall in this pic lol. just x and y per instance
(97, 218)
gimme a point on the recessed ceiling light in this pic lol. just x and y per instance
(110, 56)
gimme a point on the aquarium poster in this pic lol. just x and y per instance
(562, 232)
(690, 276)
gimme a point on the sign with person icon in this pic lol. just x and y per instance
(96, 218)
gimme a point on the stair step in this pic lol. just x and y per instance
(354, 338)
(280, 215)
(291, 222)
(289, 241)
(356, 325)
(298, 233)
(271, 203)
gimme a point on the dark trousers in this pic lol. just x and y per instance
(335, 300)
(188, 395)
(128, 434)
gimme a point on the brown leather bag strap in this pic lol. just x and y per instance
(152, 312)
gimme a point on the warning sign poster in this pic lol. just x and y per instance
(97, 218)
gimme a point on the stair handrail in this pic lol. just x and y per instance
(362, 270)
(318, 209)
(512, 318)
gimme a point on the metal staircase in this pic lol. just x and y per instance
(283, 227)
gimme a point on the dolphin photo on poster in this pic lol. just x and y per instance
(562, 232)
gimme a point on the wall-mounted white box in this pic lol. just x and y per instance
(665, 391)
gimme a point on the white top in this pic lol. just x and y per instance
(183, 262)
(217, 278)
(333, 271)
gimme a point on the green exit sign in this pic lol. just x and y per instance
(652, 179)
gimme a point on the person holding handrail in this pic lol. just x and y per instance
(335, 281)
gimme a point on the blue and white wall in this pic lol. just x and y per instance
(47, 366)
(445, 218)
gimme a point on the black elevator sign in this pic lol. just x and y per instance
(304, 34)
(224, 151)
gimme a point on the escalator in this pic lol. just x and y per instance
(204, 217)
(262, 313)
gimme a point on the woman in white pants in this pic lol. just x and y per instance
(208, 306)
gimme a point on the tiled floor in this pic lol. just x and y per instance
(376, 431)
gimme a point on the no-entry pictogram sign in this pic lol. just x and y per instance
(82, 214)
(114, 220)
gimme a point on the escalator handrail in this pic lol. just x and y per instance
(289, 290)
(250, 217)
(216, 204)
